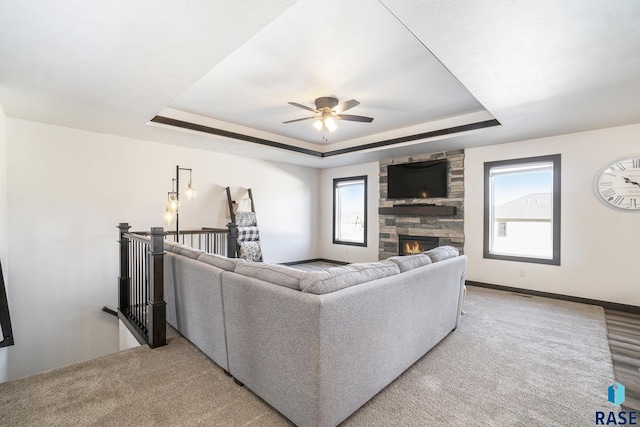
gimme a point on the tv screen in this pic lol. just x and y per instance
(419, 180)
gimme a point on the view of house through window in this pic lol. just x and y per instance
(350, 210)
(522, 209)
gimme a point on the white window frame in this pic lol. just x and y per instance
(492, 169)
(338, 237)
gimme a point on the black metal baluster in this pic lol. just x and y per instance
(145, 289)
(135, 283)
(139, 287)
(132, 286)
(143, 279)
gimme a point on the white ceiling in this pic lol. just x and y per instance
(540, 68)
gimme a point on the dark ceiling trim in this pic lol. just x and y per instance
(424, 135)
(233, 135)
(220, 132)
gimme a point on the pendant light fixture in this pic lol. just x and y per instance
(171, 212)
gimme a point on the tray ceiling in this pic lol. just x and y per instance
(300, 57)
(434, 75)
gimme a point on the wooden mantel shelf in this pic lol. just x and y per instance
(418, 210)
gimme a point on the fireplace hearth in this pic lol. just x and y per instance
(408, 245)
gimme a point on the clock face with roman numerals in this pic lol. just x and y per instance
(618, 184)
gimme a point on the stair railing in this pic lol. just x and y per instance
(141, 305)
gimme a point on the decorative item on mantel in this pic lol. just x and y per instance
(173, 204)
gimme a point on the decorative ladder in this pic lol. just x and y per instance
(236, 234)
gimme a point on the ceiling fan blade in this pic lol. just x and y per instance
(298, 120)
(353, 118)
(346, 105)
(304, 107)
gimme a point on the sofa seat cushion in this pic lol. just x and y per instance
(222, 262)
(441, 253)
(336, 278)
(409, 262)
(272, 273)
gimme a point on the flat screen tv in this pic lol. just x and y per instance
(421, 180)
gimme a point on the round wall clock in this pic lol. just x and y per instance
(618, 184)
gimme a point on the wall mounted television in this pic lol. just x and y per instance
(420, 180)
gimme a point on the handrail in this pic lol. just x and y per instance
(204, 230)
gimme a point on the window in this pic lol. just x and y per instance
(350, 211)
(523, 197)
(502, 229)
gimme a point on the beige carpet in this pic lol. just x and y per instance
(514, 360)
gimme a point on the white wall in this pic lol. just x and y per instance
(599, 252)
(67, 189)
(347, 253)
(126, 339)
(4, 352)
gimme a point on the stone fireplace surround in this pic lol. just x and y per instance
(445, 220)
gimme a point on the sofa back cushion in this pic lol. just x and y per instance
(272, 273)
(180, 249)
(228, 264)
(409, 262)
(336, 278)
(441, 253)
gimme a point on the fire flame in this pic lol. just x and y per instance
(411, 248)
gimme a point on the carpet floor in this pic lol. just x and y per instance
(513, 360)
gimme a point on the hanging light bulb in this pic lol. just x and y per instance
(168, 216)
(174, 204)
(330, 124)
(190, 192)
(318, 124)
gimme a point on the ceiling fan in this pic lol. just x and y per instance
(327, 109)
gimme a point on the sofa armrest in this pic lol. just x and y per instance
(193, 291)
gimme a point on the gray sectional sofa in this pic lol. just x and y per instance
(314, 345)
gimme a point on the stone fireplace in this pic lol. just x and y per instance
(441, 220)
(409, 245)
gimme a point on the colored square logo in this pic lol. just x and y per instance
(616, 394)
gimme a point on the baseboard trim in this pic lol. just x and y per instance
(604, 304)
(307, 261)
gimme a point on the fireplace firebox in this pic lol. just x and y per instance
(408, 245)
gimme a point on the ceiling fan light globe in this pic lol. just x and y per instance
(318, 124)
(330, 124)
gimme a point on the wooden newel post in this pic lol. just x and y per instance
(124, 281)
(156, 305)
(232, 242)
